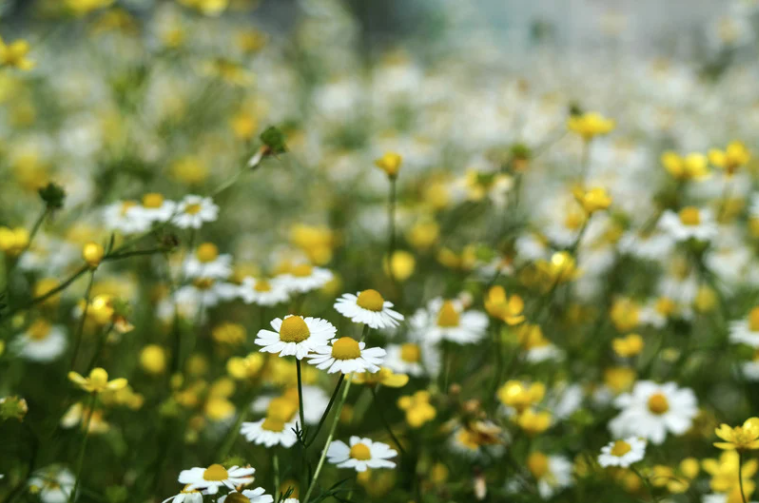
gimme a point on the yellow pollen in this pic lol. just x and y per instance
(658, 403)
(39, 330)
(345, 348)
(215, 473)
(690, 216)
(193, 209)
(126, 205)
(207, 252)
(302, 271)
(360, 452)
(152, 200)
(753, 320)
(448, 315)
(411, 353)
(371, 300)
(620, 448)
(294, 329)
(272, 424)
(537, 463)
(262, 286)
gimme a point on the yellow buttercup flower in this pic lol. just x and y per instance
(521, 396)
(534, 423)
(628, 346)
(246, 368)
(153, 359)
(741, 438)
(13, 241)
(624, 314)
(562, 267)
(93, 253)
(385, 377)
(97, 381)
(732, 158)
(593, 200)
(499, 305)
(724, 472)
(590, 125)
(14, 55)
(390, 163)
(83, 7)
(690, 167)
(207, 7)
(418, 408)
(403, 264)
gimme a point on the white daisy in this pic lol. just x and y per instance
(413, 359)
(154, 208)
(622, 452)
(746, 331)
(295, 336)
(304, 278)
(347, 355)
(204, 293)
(553, 473)
(263, 292)
(186, 496)
(361, 454)
(193, 211)
(270, 431)
(447, 320)
(214, 477)
(652, 410)
(647, 246)
(750, 369)
(257, 495)
(369, 308)
(120, 216)
(315, 401)
(689, 222)
(207, 263)
(41, 342)
(53, 484)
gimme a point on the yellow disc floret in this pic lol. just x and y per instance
(345, 348)
(215, 473)
(294, 329)
(361, 452)
(371, 300)
(448, 316)
(658, 403)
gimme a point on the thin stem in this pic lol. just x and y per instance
(56, 290)
(740, 474)
(275, 469)
(134, 253)
(391, 229)
(37, 225)
(332, 429)
(232, 435)
(646, 482)
(300, 395)
(83, 319)
(80, 460)
(100, 344)
(384, 420)
(326, 412)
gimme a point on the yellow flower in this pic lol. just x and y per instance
(503, 307)
(390, 163)
(423, 235)
(619, 379)
(628, 346)
(14, 55)
(740, 438)
(624, 314)
(590, 125)
(97, 382)
(153, 359)
(385, 377)
(533, 422)
(561, 268)
(93, 253)
(724, 472)
(83, 7)
(521, 396)
(207, 7)
(316, 242)
(245, 368)
(418, 408)
(233, 334)
(593, 200)
(690, 167)
(676, 481)
(403, 264)
(732, 158)
(13, 241)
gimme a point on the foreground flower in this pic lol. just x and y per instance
(97, 382)
(295, 336)
(369, 308)
(193, 211)
(740, 438)
(257, 495)
(215, 477)
(653, 410)
(346, 355)
(361, 454)
(622, 452)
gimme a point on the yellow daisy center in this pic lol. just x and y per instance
(215, 473)
(152, 200)
(203, 283)
(236, 498)
(448, 315)
(690, 216)
(361, 452)
(658, 403)
(262, 286)
(302, 270)
(371, 300)
(207, 252)
(411, 353)
(753, 320)
(273, 424)
(620, 448)
(537, 463)
(294, 329)
(345, 348)
(282, 409)
(193, 209)
(39, 330)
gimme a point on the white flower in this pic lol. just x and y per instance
(689, 223)
(413, 359)
(304, 278)
(557, 476)
(255, 496)
(362, 454)
(54, 484)
(447, 320)
(746, 331)
(186, 496)
(41, 342)
(649, 246)
(263, 292)
(120, 216)
(652, 410)
(207, 263)
(751, 369)
(270, 431)
(204, 293)
(214, 477)
(347, 355)
(369, 308)
(193, 211)
(295, 336)
(622, 452)
(154, 208)
(315, 401)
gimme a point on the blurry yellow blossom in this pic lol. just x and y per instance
(630, 345)
(619, 379)
(153, 359)
(465, 260)
(418, 408)
(190, 170)
(316, 242)
(677, 481)
(423, 235)
(79, 415)
(14, 55)
(741, 438)
(562, 267)
(232, 334)
(377, 483)
(218, 408)
(244, 125)
(731, 159)
(251, 40)
(229, 71)
(520, 395)
(207, 7)
(13, 241)
(690, 167)
(508, 309)
(590, 125)
(625, 314)
(384, 377)
(97, 381)
(93, 253)
(593, 200)
(534, 423)
(724, 472)
(247, 367)
(403, 264)
(83, 7)
(390, 163)
(530, 336)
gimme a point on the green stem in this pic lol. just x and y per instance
(100, 344)
(56, 290)
(300, 395)
(37, 225)
(326, 411)
(232, 435)
(384, 420)
(391, 229)
(82, 320)
(83, 447)
(740, 475)
(275, 469)
(646, 482)
(331, 435)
